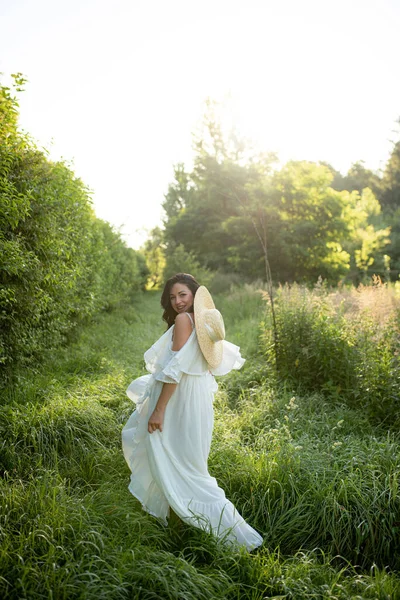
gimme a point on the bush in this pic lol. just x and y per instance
(59, 264)
(339, 344)
(224, 282)
(119, 272)
(180, 260)
(310, 473)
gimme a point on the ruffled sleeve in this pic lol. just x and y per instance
(231, 359)
(138, 389)
(168, 365)
(189, 360)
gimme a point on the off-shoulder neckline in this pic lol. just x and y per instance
(172, 341)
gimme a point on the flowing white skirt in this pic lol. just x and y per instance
(169, 468)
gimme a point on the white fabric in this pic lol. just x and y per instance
(169, 467)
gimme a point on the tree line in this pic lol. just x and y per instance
(59, 263)
(316, 221)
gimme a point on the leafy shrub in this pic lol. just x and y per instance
(180, 260)
(59, 264)
(310, 473)
(224, 282)
(118, 271)
(306, 472)
(338, 348)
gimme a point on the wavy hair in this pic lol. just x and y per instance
(169, 313)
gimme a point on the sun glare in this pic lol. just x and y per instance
(123, 100)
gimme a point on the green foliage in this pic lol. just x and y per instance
(198, 203)
(390, 194)
(344, 344)
(179, 192)
(178, 260)
(58, 263)
(357, 178)
(366, 243)
(389, 197)
(316, 478)
(225, 282)
(9, 108)
(315, 474)
(316, 221)
(393, 249)
(120, 272)
(154, 253)
(313, 228)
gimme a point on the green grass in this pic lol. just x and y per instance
(344, 343)
(315, 477)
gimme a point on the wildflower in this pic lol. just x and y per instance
(336, 444)
(292, 404)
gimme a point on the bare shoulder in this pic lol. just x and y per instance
(182, 322)
(182, 331)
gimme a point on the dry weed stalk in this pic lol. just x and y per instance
(378, 300)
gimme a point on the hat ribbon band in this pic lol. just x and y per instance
(212, 334)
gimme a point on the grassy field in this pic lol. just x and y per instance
(313, 471)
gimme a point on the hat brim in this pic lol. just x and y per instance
(212, 351)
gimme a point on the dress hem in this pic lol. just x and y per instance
(146, 509)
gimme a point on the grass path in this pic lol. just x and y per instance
(69, 528)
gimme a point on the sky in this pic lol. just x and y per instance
(117, 88)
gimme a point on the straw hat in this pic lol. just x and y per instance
(210, 327)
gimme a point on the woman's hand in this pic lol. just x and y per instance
(156, 420)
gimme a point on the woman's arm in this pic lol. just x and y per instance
(157, 417)
(182, 331)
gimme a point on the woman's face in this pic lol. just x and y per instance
(181, 298)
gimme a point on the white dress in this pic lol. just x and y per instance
(169, 467)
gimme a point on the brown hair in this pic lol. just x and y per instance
(169, 313)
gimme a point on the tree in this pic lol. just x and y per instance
(59, 264)
(198, 204)
(311, 225)
(179, 260)
(366, 242)
(390, 196)
(154, 253)
(9, 109)
(232, 201)
(358, 177)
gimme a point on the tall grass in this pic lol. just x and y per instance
(242, 309)
(313, 475)
(316, 478)
(345, 343)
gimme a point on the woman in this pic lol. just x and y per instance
(166, 441)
